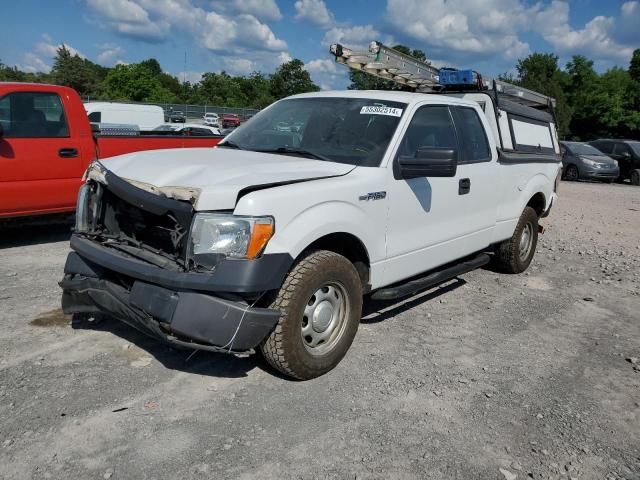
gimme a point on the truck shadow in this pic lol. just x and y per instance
(198, 362)
(29, 231)
(375, 311)
(212, 364)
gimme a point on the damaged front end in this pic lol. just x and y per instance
(130, 259)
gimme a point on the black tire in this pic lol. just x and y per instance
(286, 348)
(571, 173)
(635, 178)
(512, 255)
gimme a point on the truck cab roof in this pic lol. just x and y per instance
(392, 96)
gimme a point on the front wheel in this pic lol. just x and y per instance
(515, 254)
(571, 173)
(320, 305)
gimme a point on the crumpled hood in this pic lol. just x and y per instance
(215, 176)
(601, 159)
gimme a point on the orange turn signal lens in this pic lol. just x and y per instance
(260, 235)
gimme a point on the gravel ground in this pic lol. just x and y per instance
(490, 376)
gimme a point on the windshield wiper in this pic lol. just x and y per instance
(297, 151)
(231, 145)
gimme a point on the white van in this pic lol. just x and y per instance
(146, 117)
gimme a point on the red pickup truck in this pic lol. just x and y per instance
(46, 144)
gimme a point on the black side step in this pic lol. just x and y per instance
(431, 279)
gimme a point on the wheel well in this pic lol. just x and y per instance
(538, 203)
(350, 247)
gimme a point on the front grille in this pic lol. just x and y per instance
(128, 225)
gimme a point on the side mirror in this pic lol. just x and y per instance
(626, 154)
(429, 162)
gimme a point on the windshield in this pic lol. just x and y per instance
(355, 131)
(635, 146)
(584, 149)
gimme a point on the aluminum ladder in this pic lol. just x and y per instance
(389, 64)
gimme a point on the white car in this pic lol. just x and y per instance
(211, 119)
(271, 239)
(188, 129)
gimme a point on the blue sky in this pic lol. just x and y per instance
(241, 36)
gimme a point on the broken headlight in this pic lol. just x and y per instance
(82, 209)
(215, 235)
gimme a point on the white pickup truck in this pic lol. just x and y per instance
(271, 239)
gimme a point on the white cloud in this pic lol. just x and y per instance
(597, 39)
(130, 19)
(241, 41)
(190, 76)
(266, 10)
(476, 31)
(327, 74)
(314, 11)
(243, 31)
(50, 50)
(32, 63)
(110, 54)
(284, 57)
(484, 28)
(239, 66)
(41, 58)
(356, 37)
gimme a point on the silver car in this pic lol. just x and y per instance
(581, 161)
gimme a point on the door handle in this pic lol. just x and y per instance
(68, 152)
(464, 186)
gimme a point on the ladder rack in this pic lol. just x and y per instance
(389, 64)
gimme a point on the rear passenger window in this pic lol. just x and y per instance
(473, 138)
(604, 147)
(33, 115)
(431, 126)
(95, 117)
(621, 149)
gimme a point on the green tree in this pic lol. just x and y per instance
(291, 78)
(136, 82)
(581, 89)
(76, 72)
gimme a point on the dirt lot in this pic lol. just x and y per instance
(532, 374)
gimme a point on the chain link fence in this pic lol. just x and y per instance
(195, 113)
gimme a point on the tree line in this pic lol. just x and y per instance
(589, 104)
(147, 82)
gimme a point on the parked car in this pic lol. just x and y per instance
(189, 129)
(211, 119)
(46, 143)
(146, 117)
(177, 116)
(271, 239)
(626, 153)
(230, 120)
(581, 161)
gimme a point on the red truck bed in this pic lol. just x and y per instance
(46, 144)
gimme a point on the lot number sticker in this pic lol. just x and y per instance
(378, 110)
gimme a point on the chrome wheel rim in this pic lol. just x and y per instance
(324, 318)
(526, 241)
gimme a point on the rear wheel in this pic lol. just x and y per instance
(515, 254)
(571, 173)
(635, 177)
(320, 305)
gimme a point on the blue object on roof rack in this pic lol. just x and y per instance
(457, 77)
